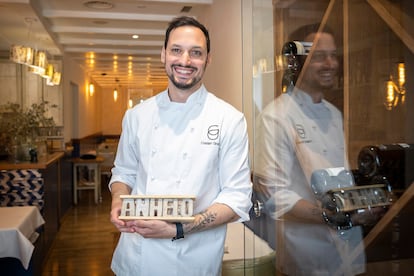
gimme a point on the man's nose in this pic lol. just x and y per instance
(185, 57)
(330, 60)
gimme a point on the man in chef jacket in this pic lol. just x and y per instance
(298, 134)
(183, 141)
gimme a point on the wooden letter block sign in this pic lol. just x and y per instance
(170, 208)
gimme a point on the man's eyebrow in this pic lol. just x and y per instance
(193, 47)
(325, 51)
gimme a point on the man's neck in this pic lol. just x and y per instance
(181, 95)
(316, 96)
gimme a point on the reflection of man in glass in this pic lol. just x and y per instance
(298, 134)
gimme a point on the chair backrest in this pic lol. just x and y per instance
(107, 150)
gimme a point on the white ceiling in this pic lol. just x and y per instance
(71, 28)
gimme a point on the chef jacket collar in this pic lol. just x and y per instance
(305, 99)
(197, 97)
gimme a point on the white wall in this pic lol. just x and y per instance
(113, 112)
(88, 107)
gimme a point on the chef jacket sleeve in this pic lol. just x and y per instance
(234, 170)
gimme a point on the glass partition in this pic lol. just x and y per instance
(332, 143)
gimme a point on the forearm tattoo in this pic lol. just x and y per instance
(202, 221)
(316, 211)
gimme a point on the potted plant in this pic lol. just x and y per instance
(20, 128)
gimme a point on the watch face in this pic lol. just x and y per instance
(360, 197)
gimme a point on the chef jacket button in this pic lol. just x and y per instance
(184, 155)
(178, 181)
(192, 129)
(152, 178)
(156, 126)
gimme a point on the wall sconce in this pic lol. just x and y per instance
(116, 90)
(115, 95)
(91, 89)
(396, 91)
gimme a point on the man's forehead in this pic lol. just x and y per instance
(188, 37)
(321, 40)
(187, 32)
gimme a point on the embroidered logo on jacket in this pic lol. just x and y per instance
(212, 135)
(300, 130)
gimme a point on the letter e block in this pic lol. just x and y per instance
(170, 207)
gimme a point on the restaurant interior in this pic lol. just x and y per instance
(69, 70)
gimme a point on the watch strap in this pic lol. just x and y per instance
(180, 231)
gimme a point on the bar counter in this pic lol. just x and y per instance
(43, 162)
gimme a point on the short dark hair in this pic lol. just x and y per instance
(186, 21)
(302, 32)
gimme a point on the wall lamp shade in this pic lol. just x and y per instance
(22, 54)
(49, 72)
(91, 89)
(115, 95)
(40, 62)
(55, 80)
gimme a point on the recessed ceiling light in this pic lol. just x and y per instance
(98, 5)
(135, 36)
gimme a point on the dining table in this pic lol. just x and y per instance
(19, 229)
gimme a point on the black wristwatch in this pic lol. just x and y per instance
(180, 231)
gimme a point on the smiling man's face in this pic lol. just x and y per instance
(322, 68)
(185, 58)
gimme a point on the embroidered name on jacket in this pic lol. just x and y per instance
(211, 135)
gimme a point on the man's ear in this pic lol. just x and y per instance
(163, 55)
(208, 58)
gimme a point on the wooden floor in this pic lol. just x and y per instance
(85, 242)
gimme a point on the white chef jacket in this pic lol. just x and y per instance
(195, 148)
(295, 138)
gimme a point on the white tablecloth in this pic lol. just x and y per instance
(18, 232)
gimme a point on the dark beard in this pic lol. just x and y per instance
(184, 86)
